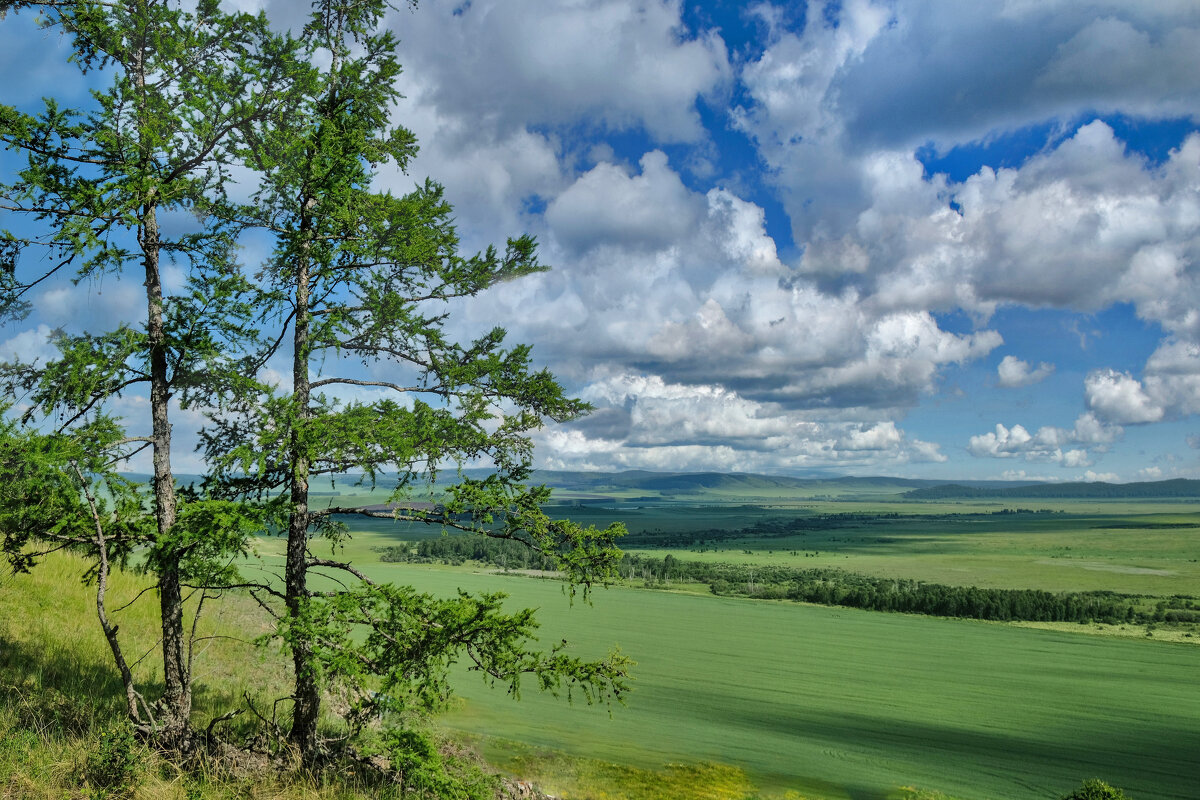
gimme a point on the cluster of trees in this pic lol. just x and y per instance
(187, 95)
(762, 529)
(457, 550)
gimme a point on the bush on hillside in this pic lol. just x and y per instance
(1095, 789)
(111, 769)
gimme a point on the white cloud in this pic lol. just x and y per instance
(97, 304)
(1131, 68)
(1082, 226)
(610, 63)
(29, 346)
(646, 422)
(1022, 475)
(687, 285)
(606, 206)
(1013, 372)
(1119, 398)
(1049, 444)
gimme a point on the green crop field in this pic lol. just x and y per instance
(836, 703)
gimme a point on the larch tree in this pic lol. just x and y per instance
(363, 281)
(182, 88)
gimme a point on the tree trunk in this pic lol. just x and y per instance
(307, 696)
(176, 706)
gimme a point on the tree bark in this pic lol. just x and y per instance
(177, 689)
(307, 696)
(176, 701)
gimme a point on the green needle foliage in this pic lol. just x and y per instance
(359, 275)
(183, 87)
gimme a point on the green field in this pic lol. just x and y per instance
(842, 704)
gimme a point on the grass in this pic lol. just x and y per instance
(59, 691)
(971, 709)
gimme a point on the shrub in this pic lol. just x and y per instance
(111, 769)
(1096, 790)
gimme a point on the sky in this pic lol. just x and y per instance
(920, 238)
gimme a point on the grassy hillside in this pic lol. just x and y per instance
(60, 707)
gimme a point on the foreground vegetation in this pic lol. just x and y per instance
(734, 698)
(63, 732)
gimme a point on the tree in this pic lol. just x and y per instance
(185, 87)
(369, 276)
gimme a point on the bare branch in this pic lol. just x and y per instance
(385, 384)
(324, 562)
(134, 600)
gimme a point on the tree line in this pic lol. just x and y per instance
(1174, 487)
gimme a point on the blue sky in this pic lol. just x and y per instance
(918, 238)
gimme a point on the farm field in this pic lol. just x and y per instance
(836, 703)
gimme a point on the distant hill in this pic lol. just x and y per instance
(732, 482)
(1178, 487)
(676, 482)
(750, 484)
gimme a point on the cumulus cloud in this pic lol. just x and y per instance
(608, 63)
(1119, 397)
(1049, 444)
(1128, 66)
(671, 307)
(1168, 389)
(1022, 475)
(606, 205)
(1082, 226)
(647, 422)
(1014, 373)
(29, 346)
(838, 110)
(656, 277)
(687, 285)
(958, 73)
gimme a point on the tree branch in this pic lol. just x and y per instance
(325, 562)
(385, 384)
